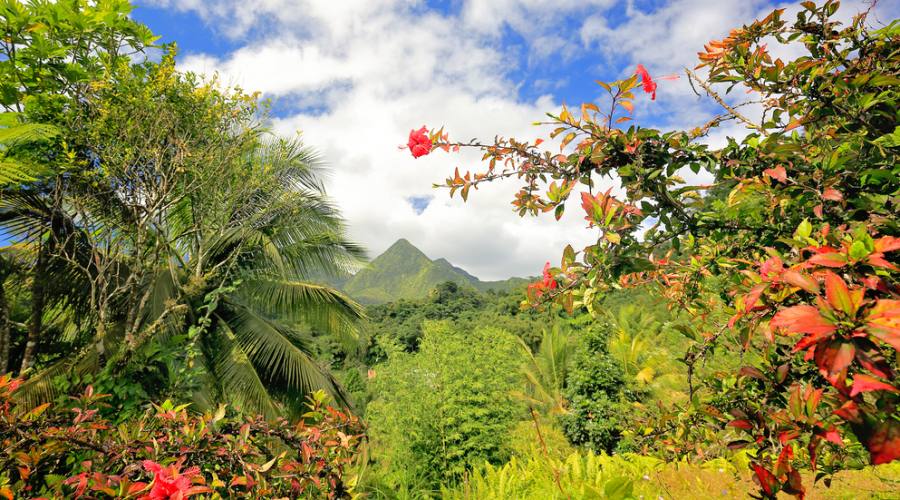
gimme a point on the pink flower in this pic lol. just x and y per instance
(170, 484)
(647, 81)
(419, 143)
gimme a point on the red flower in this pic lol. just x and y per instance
(548, 283)
(419, 143)
(168, 483)
(647, 81)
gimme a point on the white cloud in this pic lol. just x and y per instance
(374, 69)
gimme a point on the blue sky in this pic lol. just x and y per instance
(354, 76)
(571, 81)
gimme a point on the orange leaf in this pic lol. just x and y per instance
(802, 319)
(832, 194)
(752, 297)
(839, 296)
(887, 244)
(800, 280)
(778, 173)
(627, 105)
(793, 124)
(883, 322)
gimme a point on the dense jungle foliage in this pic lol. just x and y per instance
(171, 323)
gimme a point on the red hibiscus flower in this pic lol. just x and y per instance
(647, 81)
(419, 143)
(170, 484)
(546, 284)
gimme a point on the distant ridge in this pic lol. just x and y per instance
(405, 272)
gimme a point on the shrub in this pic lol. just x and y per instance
(71, 451)
(599, 401)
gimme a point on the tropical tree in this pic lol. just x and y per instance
(50, 53)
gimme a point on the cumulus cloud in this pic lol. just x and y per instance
(357, 75)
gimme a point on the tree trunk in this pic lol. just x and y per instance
(37, 311)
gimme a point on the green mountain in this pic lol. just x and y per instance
(404, 272)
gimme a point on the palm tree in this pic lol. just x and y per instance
(545, 372)
(637, 343)
(274, 240)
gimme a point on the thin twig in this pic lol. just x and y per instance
(712, 93)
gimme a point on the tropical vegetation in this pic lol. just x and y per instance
(180, 304)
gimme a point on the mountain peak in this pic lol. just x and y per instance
(405, 272)
(401, 244)
(402, 249)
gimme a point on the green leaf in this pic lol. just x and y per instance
(618, 488)
(803, 230)
(858, 250)
(891, 140)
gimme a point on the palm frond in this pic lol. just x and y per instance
(26, 133)
(316, 305)
(297, 165)
(237, 376)
(39, 388)
(281, 356)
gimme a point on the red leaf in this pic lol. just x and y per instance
(831, 259)
(778, 173)
(749, 371)
(834, 357)
(810, 340)
(871, 358)
(884, 444)
(740, 424)
(765, 478)
(849, 411)
(802, 319)
(832, 194)
(752, 297)
(864, 383)
(786, 436)
(834, 436)
(783, 464)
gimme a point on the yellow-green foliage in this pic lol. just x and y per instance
(586, 475)
(523, 441)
